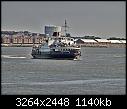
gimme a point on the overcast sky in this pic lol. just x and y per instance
(103, 19)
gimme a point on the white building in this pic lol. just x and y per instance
(83, 41)
(89, 41)
(115, 41)
(102, 40)
(123, 41)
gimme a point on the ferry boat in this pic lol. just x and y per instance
(57, 47)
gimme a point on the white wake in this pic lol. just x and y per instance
(66, 82)
(11, 56)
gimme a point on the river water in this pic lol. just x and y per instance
(100, 71)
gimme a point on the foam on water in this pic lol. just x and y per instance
(11, 56)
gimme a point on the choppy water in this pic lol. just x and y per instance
(100, 71)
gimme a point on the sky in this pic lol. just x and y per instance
(101, 19)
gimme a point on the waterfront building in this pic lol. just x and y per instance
(86, 41)
(123, 41)
(103, 41)
(115, 41)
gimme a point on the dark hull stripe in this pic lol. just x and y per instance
(55, 56)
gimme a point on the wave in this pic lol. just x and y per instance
(67, 82)
(12, 56)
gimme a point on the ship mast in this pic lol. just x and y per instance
(65, 26)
